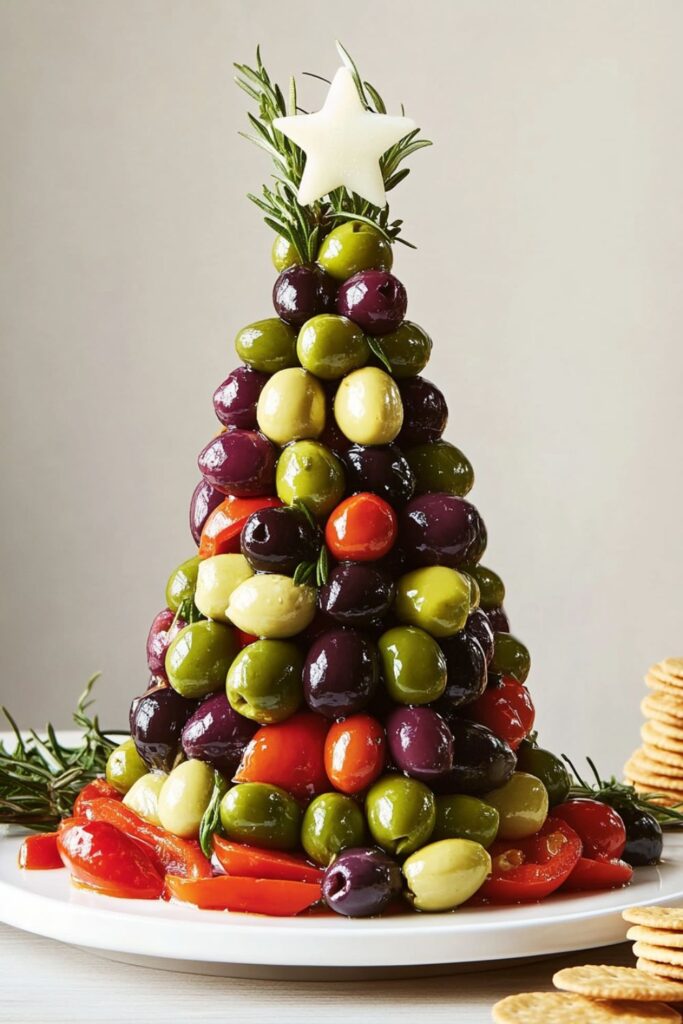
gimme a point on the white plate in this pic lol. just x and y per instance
(181, 937)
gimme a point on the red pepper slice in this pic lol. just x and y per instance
(95, 790)
(105, 860)
(253, 862)
(222, 529)
(40, 852)
(289, 754)
(275, 897)
(530, 869)
(598, 873)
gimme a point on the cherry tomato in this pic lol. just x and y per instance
(506, 709)
(254, 862)
(40, 852)
(601, 829)
(289, 754)
(361, 529)
(355, 753)
(222, 529)
(598, 873)
(271, 896)
(530, 869)
(105, 860)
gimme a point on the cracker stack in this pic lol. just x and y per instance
(657, 765)
(657, 934)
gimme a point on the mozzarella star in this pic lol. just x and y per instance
(343, 143)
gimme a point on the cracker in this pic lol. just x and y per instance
(665, 729)
(668, 800)
(660, 756)
(655, 916)
(672, 665)
(655, 780)
(567, 1008)
(665, 686)
(607, 982)
(669, 972)
(659, 954)
(656, 936)
(662, 707)
(651, 736)
(643, 762)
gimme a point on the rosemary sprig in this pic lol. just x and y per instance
(611, 791)
(211, 821)
(40, 778)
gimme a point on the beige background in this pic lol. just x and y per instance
(549, 224)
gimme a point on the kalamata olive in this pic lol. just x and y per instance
(481, 761)
(356, 594)
(164, 628)
(240, 463)
(361, 882)
(217, 734)
(302, 292)
(479, 627)
(420, 743)
(382, 469)
(373, 299)
(205, 498)
(278, 539)
(466, 669)
(341, 673)
(156, 725)
(644, 841)
(425, 412)
(235, 399)
(498, 620)
(442, 529)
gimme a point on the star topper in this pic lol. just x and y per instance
(343, 143)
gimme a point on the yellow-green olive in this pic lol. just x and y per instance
(283, 254)
(522, 804)
(143, 796)
(436, 598)
(184, 797)
(217, 578)
(368, 407)
(125, 766)
(273, 606)
(307, 471)
(181, 583)
(445, 874)
(291, 406)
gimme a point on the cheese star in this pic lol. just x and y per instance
(343, 143)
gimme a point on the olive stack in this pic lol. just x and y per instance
(335, 658)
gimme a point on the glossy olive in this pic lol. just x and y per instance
(165, 626)
(283, 253)
(547, 767)
(291, 406)
(407, 349)
(181, 583)
(356, 594)
(267, 345)
(341, 673)
(309, 472)
(498, 620)
(491, 586)
(445, 874)
(279, 539)
(413, 665)
(522, 803)
(236, 398)
(374, 299)
(361, 882)
(510, 657)
(264, 681)
(198, 660)
(466, 669)
(436, 599)
(218, 576)
(204, 500)
(425, 412)
(302, 292)
(441, 467)
(184, 797)
(481, 761)
(157, 719)
(401, 813)
(330, 346)
(259, 814)
(143, 796)
(382, 469)
(368, 407)
(465, 817)
(271, 605)
(419, 742)
(644, 840)
(478, 626)
(218, 734)
(442, 529)
(240, 463)
(354, 246)
(125, 766)
(332, 822)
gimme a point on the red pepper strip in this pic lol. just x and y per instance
(530, 869)
(275, 897)
(289, 754)
(95, 790)
(598, 873)
(40, 852)
(104, 860)
(253, 862)
(176, 856)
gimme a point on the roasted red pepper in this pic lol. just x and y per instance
(253, 862)
(274, 897)
(95, 790)
(598, 873)
(289, 754)
(526, 870)
(40, 852)
(103, 859)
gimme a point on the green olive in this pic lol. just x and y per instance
(547, 767)
(491, 586)
(217, 578)
(354, 246)
(368, 407)
(413, 665)
(125, 767)
(264, 681)
(267, 345)
(184, 797)
(283, 254)
(441, 467)
(261, 815)
(307, 471)
(143, 796)
(465, 817)
(199, 657)
(510, 657)
(401, 814)
(331, 346)
(445, 874)
(407, 349)
(332, 822)
(291, 406)
(182, 583)
(522, 803)
(437, 599)
(271, 605)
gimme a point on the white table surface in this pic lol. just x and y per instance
(44, 981)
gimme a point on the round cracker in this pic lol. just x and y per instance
(641, 761)
(670, 800)
(608, 982)
(670, 713)
(654, 780)
(671, 665)
(659, 954)
(568, 1008)
(671, 704)
(659, 756)
(665, 729)
(656, 936)
(652, 737)
(655, 916)
(661, 717)
(673, 690)
(667, 972)
(664, 676)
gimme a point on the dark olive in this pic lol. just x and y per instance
(510, 657)
(644, 840)
(547, 767)
(279, 539)
(361, 882)
(440, 466)
(425, 412)
(479, 627)
(420, 743)
(217, 734)
(465, 667)
(302, 292)
(156, 722)
(240, 463)
(204, 500)
(235, 399)
(498, 620)
(341, 673)
(481, 761)
(165, 627)
(382, 469)
(491, 587)
(356, 594)
(442, 529)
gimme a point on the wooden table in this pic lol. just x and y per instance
(44, 981)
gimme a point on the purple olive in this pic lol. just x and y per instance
(240, 463)
(302, 292)
(361, 882)
(161, 633)
(442, 529)
(498, 620)
(382, 469)
(235, 399)
(217, 734)
(479, 627)
(341, 673)
(425, 412)
(356, 594)
(481, 761)
(420, 743)
(465, 668)
(156, 722)
(204, 500)
(373, 299)
(279, 539)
